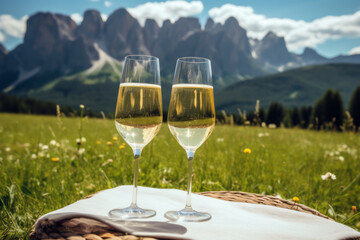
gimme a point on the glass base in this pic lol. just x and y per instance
(131, 213)
(187, 215)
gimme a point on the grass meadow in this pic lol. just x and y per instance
(43, 168)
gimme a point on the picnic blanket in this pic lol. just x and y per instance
(230, 220)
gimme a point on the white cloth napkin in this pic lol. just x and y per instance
(230, 220)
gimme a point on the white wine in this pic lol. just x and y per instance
(138, 115)
(191, 116)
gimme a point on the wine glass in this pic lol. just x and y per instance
(191, 119)
(138, 117)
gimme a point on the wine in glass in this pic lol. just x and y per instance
(191, 119)
(138, 117)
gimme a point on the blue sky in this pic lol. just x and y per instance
(303, 23)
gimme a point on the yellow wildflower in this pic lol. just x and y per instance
(122, 146)
(247, 150)
(98, 142)
(295, 199)
(354, 209)
(115, 139)
(55, 159)
(108, 143)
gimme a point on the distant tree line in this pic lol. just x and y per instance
(13, 104)
(327, 113)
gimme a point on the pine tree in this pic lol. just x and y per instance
(305, 113)
(295, 117)
(354, 107)
(329, 110)
(275, 114)
(318, 114)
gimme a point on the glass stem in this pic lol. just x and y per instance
(137, 154)
(190, 156)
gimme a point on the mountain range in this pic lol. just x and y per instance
(57, 54)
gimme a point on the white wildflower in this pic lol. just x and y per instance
(78, 140)
(164, 181)
(101, 155)
(82, 106)
(328, 176)
(81, 151)
(45, 147)
(7, 149)
(220, 140)
(278, 196)
(341, 158)
(83, 139)
(263, 134)
(33, 156)
(272, 125)
(41, 154)
(53, 143)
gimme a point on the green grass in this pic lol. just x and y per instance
(287, 162)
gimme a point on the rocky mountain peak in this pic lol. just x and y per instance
(150, 32)
(272, 50)
(123, 35)
(43, 40)
(311, 56)
(43, 27)
(185, 25)
(3, 49)
(166, 23)
(92, 25)
(231, 22)
(237, 34)
(269, 36)
(309, 52)
(3, 53)
(210, 24)
(151, 24)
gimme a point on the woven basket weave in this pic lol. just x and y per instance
(89, 229)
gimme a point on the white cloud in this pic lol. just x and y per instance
(297, 33)
(93, 0)
(355, 50)
(10, 26)
(160, 11)
(108, 3)
(76, 17)
(104, 16)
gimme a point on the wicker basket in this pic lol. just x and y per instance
(89, 229)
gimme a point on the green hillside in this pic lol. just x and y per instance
(97, 90)
(299, 87)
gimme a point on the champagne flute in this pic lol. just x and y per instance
(191, 119)
(138, 117)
